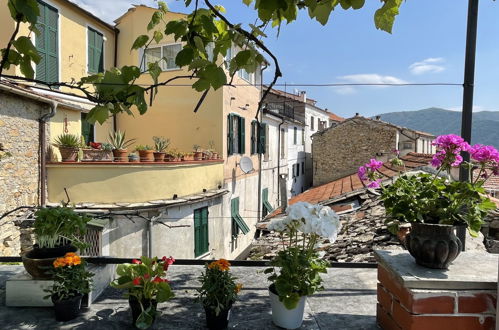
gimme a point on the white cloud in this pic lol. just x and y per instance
(429, 65)
(371, 78)
(110, 10)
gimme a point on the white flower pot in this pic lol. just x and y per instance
(286, 318)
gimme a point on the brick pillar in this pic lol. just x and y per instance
(411, 297)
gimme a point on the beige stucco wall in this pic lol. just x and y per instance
(130, 183)
(73, 25)
(340, 150)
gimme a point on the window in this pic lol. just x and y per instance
(46, 44)
(266, 207)
(295, 136)
(235, 134)
(249, 77)
(201, 242)
(407, 145)
(302, 167)
(258, 138)
(303, 136)
(95, 57)
(312, 123)
(164, 55)
(298, 169)
(238, 223)
(319, 124)
(87, 129)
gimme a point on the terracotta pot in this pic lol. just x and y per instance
(137, 310)
(159, 156)
(188, 158)
(146, 156)
(217, 322)
(214, 155)
(68, 154)
(433, 245)
(120, 155)
(38, 262)
(67, 309)
(198, 155)
(95, 155)
(169, 158)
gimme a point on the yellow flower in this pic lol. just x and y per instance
(238, 288)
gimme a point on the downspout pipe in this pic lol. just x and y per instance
(259, 121)
(279, 158)
(42, 134)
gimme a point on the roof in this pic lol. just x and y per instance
(134, 7)
(292, 96)
(492, 182)
(86, 12)
(351, 183)
(334, 117)
(67, 100)
(357, 117)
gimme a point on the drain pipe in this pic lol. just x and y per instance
(42, 134)
(259, 124)
(279, 159)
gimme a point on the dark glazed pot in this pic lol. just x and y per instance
(38, 262)
(137, 310)
(67, 309)
(217, 322)
(433, 245)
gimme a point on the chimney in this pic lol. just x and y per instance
(378, 117)
(303, 95)
(356, 114)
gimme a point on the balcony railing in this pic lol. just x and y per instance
(281, 108)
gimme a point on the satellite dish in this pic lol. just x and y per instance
(246, 164)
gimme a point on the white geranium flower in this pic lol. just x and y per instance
(298, 211)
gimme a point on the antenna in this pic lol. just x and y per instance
(246, 164)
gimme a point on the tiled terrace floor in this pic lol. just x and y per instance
(348, 302)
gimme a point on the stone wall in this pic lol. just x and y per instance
(19, 173)
(340, 150)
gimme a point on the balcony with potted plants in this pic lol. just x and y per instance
(114, 172)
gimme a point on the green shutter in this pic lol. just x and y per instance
(242, 138)
(87, 129)
(46, 43)
(201, 242)
(267, 208)
(230, 135)
(237, 220)
(95, 51)
(262, 138)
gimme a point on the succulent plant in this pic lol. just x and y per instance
(67, 140)
(118, 140)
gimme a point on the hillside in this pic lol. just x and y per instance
(440, 121)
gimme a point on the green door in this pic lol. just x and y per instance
(201, 243)
(47, 44)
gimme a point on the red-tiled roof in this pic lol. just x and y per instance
(334, 117)
(352, 182)
(492, 182)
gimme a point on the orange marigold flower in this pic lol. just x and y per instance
(59, 262)
(68, 261)
(224, 264)
(76, 260)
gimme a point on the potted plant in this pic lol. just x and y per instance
(295, 271)
(71, 282)
(170, 155)
(434, 204)
(120, 144)
(133, 158)
(57, 231)
(211, 149)
(198, 152)
(97, 152)
(146, 153)
(217, 293)
(160, 145)
(147, 286)
(68, 145)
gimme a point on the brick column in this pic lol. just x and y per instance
(411, 297)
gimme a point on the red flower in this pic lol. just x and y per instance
(157, 279)
(136, 281)
(146, 276)
(170, 260)
(95, 145)
(137, 262)
(165, 267)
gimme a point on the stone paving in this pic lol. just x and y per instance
(348, 302)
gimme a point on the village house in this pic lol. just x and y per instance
(340, 149)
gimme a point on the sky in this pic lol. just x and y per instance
(427, 45)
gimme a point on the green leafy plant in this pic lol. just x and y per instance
(54, 226)
(118, 140)
(107, 146)
(160, 143)
(218, 287)
(299, 265)
(141, 147)
(196, 148)
(67, 140)
(70, 277)
(145, 280)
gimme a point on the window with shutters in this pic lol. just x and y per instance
(254, 137)
(266, 207)
(201, 243)
(95, 58)
(237, 223)
(312, 123)
(295, 136)
(235, 134)
(87, 129)
(47, 43)
(164, 55)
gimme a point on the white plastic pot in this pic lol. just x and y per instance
(286, 318)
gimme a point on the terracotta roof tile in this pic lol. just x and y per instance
(334, 117)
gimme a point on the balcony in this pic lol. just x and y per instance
(112, 183)
(281, 108)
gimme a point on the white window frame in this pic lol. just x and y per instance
(160, 46)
